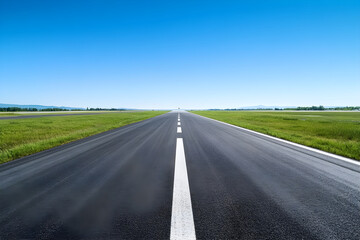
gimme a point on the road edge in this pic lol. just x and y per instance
(57, 148)
(330, 157)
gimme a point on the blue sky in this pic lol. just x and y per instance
(188, 54)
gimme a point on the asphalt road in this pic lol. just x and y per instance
(120, 185)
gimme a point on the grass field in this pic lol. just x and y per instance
(335, 132)
(3, 114)
(21, 137)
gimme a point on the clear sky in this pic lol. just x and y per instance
(188, 54)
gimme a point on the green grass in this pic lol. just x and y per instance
(335, 132)
(56, 112)
(21, 137)
(5, 114)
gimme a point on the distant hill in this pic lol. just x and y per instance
(3, 105)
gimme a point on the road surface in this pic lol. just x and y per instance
(187, 177)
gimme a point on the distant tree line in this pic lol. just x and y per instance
(17, 109)
(54, 109)
(105, 109)
(346, 108)
(315, 108)
(312, 108)
(321, 108)
(241, 109)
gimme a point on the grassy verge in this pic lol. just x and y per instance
(57, 112)
(21, 137)
(6, 114)
(335, 132)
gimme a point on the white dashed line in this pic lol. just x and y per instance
(182, 220)
(179, 130)
(179, 123)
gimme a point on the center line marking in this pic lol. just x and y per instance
(182, 220)
(179, 130)
(179, 123)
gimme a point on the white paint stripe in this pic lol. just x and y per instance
(344, 159)
(182, 220)
(179, 123)
(179, 130)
